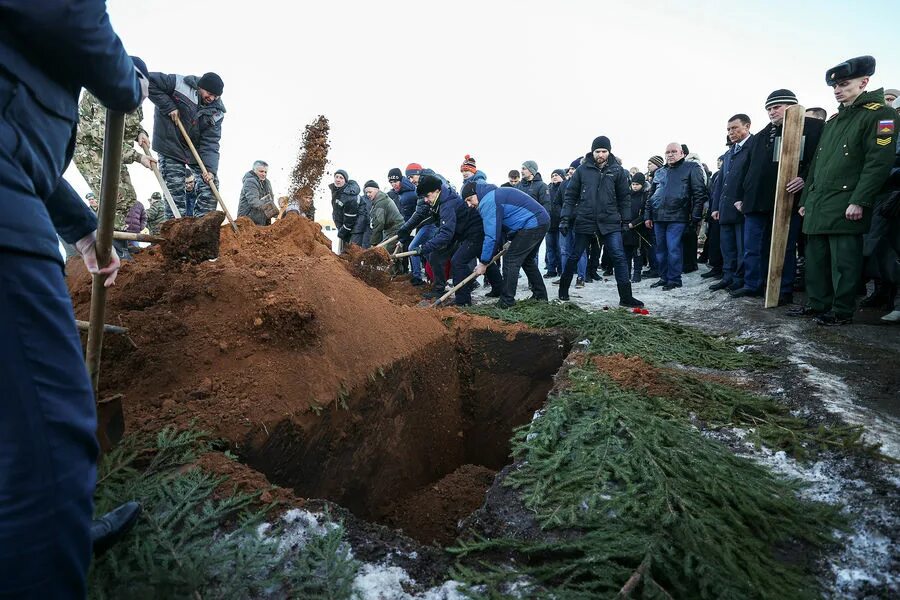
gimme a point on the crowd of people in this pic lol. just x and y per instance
(843, 230)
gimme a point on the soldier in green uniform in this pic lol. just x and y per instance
(850, 167)
(89, 150)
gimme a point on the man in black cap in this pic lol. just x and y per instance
(196, 101)
(846, 179)
(754, 196)
(597, 202)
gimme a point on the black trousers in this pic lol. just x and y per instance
(462, 264)
(522, 253)
(689, 247)
(712, 247)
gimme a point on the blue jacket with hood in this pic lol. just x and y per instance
(456, 221)
(504, 211)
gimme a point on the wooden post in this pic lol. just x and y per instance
(788, 167)
(162, 184)
(212, 184)
(109, 192)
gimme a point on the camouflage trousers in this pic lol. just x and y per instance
(90, 165)
(173, 172)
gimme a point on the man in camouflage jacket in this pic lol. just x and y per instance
(89, 150)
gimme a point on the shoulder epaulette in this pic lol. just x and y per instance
(873, 105)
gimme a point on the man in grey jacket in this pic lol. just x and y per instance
(256, 192)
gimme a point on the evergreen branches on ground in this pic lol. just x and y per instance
(630, 497)
(621, 332)
(194, 540)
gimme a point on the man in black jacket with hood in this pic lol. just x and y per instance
(597, 202)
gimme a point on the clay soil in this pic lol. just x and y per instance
(317, 381)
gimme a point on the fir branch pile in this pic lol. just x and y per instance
(620, 332)
(194, 541)
(635, 502)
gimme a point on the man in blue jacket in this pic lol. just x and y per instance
(457, 238)
(723, 204)
(197, 102)
(49, 50)
(598, 202)
(512, 214)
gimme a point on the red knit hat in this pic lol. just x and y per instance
(468, 165)
(413, 169)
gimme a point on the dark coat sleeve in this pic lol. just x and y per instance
(573, 189)
(699, 193)
(74, 40)
(623, 198)
(445, 232)
(162, 87)
(812, 131)
(72, 218)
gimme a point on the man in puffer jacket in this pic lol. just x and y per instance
(255, 193)
(344, 205)
(597, 203)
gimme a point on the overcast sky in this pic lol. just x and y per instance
(505, 81)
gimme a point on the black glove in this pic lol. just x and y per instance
(564, 228)
(345, 234)
(402, 233)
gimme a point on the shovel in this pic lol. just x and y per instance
(471, 276)
(212, 184)
(162, 184)
(392, 238)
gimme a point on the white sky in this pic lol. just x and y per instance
(505, 81)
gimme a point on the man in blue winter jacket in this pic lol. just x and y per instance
(512, 214)
(458, 238)
(49, 50)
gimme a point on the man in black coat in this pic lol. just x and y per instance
(552, 259)
(723, 204)
(597, 202)
(756, 197)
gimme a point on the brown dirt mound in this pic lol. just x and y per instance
(435, 511)
(245, 480)
(372, 265)
(632, 373)
(192, 239)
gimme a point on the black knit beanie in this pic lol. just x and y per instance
(428, 184)
(212, 83)
(601, 142)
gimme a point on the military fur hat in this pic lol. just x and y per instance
(861, 66)
(428, 184)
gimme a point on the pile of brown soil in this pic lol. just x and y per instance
(632, 373)
(435, 511)
(372, 265)
(192, 239)
(310, 165)
(245, 480)
(318, 381)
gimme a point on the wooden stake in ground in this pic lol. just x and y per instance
(162, 184)
(212, 184)
(788, 167)
(138, 237)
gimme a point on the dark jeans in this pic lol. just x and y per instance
(566, 245)
(521, 255)
(613, 244)
(669, 258)
(593, 249)
(732, 242)
(634, 260)
(757, 237)
(552, 253)
(461, 266)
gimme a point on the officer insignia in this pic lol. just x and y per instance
(886, 127)
(873, 105)
(883, 141)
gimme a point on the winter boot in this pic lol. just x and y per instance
(625, 297)
(564, 282)
(879, 298)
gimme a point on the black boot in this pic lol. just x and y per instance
(564, 282)
(111, 527)
(879, 298)
(625, 297)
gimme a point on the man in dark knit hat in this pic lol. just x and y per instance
(754, 196)
(196, 101)
(846, 179)
(597, 203)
